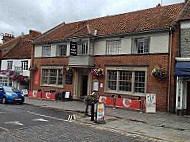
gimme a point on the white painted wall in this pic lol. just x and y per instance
(158, 44)
(18, 63)
(185, 25)
(37, 51)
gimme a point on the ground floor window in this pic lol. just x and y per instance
(123, 80)
(5, 81)
(52, 77)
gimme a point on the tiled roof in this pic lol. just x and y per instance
(186, 12)
(158, 18)
(18, 48)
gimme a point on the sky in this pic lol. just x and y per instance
(19, 16)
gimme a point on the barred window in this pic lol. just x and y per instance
(52, 77)
(113, 47)
(126, 81)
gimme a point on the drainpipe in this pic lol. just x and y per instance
(170, 60)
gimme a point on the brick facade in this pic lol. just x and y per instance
(154, 85)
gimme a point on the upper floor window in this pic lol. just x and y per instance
(130, 81)
(140, 45)
(46, 51)
(9, 65)
(113, 47)
(82, 48)
(61, 50)
(24, 65)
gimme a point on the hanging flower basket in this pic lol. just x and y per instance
(33, 68)
(97, 72)
(159, 73)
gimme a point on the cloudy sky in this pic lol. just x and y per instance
(17, 16)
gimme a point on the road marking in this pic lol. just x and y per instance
(14, 123)
(55, 118)
(41, 119)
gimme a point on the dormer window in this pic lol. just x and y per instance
(140, 45)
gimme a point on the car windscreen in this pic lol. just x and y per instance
(9, 89)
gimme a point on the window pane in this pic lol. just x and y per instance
(61, 50)
(140, 81)
(112, 80)
(24, 65)
(60, 77)
(53, 76)
(44, 76)
(113, 47)
(125, 81)
(46, 51)
(142, 45)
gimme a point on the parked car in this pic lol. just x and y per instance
(9, 94)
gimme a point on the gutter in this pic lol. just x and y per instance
(170, 60)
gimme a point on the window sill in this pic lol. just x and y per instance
(57, 86)
(127, 93)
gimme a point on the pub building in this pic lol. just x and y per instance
(125, 57)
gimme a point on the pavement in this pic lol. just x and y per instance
(161, 126)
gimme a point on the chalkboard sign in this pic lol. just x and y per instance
(69, 76)
(73, 48)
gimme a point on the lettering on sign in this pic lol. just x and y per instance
(73, 48)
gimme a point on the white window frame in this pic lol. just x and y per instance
(9, 65)
(5, 81)
(133, 70)
(24, 65)
(83, 47)
(46, 51)
(113, 47)
(59, 49)
(140, 45)
(48, 77)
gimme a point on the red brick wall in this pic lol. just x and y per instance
(63, 62)
(154, 85)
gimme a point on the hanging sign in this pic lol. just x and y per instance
(73, 48)
(150, 103)
(100, 118)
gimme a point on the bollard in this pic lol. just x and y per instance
(92, 111)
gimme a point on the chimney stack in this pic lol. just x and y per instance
(34, 33)
(7, 37)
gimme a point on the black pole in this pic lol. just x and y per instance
(92, 111)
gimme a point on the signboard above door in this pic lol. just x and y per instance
(73, 48)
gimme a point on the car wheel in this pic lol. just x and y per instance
(4, 101)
